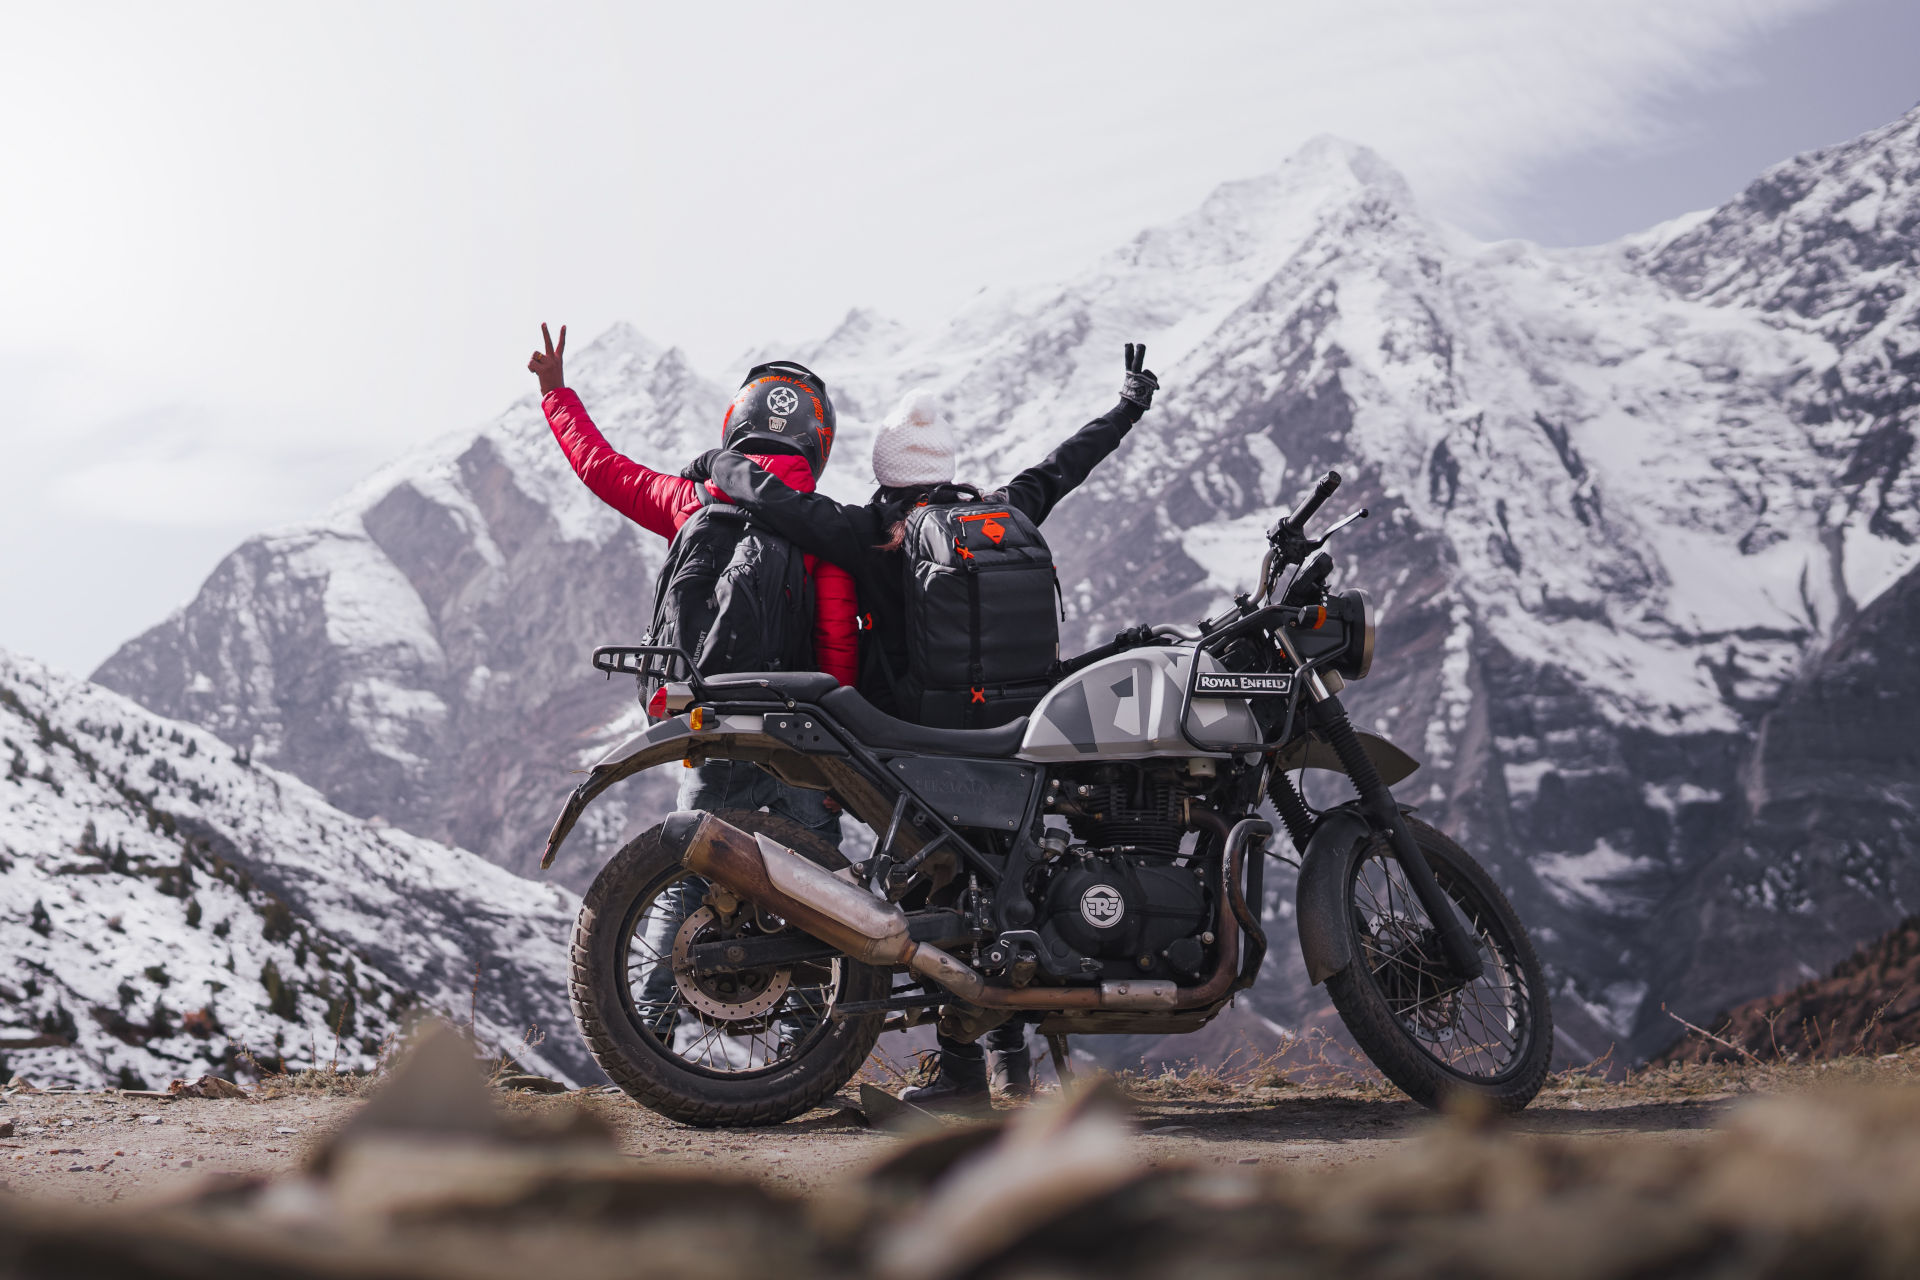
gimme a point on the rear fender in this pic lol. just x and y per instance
(675, 738)
(731, 737)
(654, 745)
(1322, 892)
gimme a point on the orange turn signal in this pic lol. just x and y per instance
(1319, 617)
(697, 718)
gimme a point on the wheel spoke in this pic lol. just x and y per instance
(670, 919)
(1479, 1028)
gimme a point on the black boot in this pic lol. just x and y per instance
(1012, 1062)
(1013, 1073)
(961, 1085)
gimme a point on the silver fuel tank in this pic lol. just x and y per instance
(1127, 707)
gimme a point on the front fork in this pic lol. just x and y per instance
(1329, 719)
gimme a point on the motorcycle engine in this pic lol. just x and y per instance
(1141, 912)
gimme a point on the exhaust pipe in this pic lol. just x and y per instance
(781, 882)
(848, 918)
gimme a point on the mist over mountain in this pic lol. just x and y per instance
(1642, 533)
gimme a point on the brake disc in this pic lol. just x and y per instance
(725, 997)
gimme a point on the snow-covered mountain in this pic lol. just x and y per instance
(420, 655)
(168, 908)
(1625, 500)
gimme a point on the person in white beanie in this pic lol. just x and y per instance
(915, 444)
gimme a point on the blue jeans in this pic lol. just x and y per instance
(716, 785)
(735, 784)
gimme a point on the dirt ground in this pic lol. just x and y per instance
(1752, 1169)
(105, 1146)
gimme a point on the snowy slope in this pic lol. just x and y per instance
(1623, 498)
(167, 907)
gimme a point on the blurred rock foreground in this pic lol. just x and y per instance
(430, 1178)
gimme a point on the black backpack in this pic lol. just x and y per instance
(983, 640)
(735, 596)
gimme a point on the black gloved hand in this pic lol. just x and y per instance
(1140, 384)
(701, 468)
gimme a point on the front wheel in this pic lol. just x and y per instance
(751, 1047)
(1491, 1038)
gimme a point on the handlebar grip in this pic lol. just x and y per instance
(1321, 492)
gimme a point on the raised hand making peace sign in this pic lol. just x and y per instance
(545, 365)
(1139, 384)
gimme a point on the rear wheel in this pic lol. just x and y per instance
(748, 1048)
(1431, 1035)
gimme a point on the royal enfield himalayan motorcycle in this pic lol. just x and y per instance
(1096, 865)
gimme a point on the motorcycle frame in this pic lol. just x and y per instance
(804, 745)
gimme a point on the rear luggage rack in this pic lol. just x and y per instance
(650, 662)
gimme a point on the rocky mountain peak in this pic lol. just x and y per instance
(1830, 231)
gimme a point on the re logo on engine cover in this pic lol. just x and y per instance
(1102, 906)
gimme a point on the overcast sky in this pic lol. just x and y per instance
(249, 252)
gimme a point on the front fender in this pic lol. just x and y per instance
(1321, 897)
(1310, 751)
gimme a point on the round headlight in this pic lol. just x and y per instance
(1358, 611)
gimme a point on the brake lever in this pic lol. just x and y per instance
(1324, 538)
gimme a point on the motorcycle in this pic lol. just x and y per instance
(1095, 865)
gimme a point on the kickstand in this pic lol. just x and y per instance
(1062, 1060)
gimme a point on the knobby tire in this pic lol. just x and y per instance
(637, 1062)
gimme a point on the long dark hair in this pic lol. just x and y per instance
(893, 506)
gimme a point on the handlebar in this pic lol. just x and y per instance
(1296, 520)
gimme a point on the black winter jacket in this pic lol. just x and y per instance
(854, 537)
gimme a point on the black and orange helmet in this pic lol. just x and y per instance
(785, 406)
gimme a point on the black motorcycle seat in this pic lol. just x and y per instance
(875, 728)
(771, 686)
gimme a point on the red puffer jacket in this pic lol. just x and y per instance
(662, 503)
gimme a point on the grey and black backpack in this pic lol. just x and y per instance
(983, 637)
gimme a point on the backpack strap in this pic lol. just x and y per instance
(873, 657)
(976, 672)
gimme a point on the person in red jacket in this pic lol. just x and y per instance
(782, 419)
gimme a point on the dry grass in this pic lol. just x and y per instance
(884, 1071)
(316, 1080)
(1313, 1063)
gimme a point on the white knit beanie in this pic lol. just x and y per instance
(915, 445)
